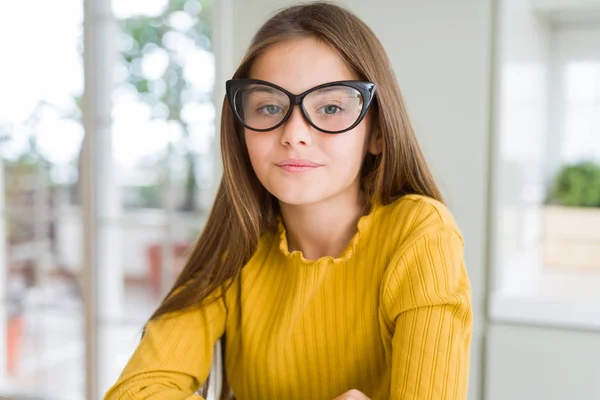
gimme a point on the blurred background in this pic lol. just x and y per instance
(505, 98)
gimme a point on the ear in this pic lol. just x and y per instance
(375, 141)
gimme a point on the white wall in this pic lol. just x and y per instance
(440, 51)
(531, 363)
(567, 10)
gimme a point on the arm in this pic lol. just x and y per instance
(174, 356)
(427, 302)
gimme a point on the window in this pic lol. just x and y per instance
(546, 250)
(41, 327)
(578, 64)
(163, 130)
(155, 169)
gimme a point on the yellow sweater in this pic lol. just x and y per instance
(390, 317)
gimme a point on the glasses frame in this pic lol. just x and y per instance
(366, 89)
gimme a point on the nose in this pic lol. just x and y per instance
(296, 130)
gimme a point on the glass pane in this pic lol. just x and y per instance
(42, 332)
(118, 341)
(162, 136)
(571, 237)
(547, 175)
(41, 344)
(581, 126)
(163, 115)
(520, 181)
(51, 342)
(148, 266)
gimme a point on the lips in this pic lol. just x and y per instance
(298, 165)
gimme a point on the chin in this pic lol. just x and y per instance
(298, 197)
(297, 200)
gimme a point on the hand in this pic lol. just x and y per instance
(352, 395)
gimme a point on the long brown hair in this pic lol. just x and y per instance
(243, 209)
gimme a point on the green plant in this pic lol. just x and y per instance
(149, 196)
(577, 185)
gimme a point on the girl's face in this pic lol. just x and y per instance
(297, 163)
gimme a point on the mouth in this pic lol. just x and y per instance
(298, 165)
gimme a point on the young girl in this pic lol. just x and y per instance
(329, 264)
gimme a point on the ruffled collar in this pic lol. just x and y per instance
(363, 224)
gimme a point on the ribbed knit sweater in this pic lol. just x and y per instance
(391, 317)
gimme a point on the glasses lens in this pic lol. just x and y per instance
(334, 108)
(261, 106)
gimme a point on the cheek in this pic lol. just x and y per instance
(250, 145)
(259, 146)
(255, 144)
(348, 151)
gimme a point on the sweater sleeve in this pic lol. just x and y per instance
(174, 356)
(427, 307)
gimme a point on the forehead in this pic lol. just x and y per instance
(300, 64)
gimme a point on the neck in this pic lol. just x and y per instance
(325, 228)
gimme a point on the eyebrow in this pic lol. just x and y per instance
(259, 88)
(336, 88)
(265, 89)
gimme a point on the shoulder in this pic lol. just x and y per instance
(425, 264)
(413, 216)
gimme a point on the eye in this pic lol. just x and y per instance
(271, 109)
(331, 109)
